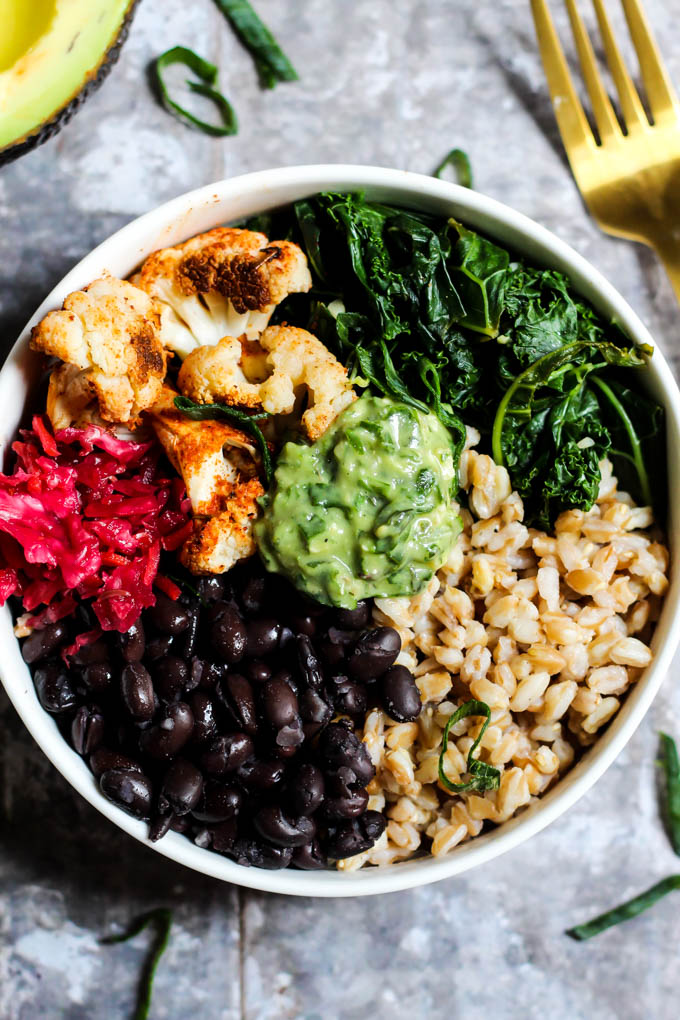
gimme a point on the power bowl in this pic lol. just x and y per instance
(232, 200)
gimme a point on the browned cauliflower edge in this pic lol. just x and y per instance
(225, 282)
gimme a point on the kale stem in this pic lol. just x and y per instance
(632, 436)
(627, 910)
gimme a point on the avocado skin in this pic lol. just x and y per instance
(63, 116)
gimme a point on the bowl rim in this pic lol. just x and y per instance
(199, 209)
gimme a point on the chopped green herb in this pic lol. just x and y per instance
(273, 66)
(484, 776)
(161, 920)
(671, 805)
(460, 162)
(627, 910)
(246, 422)
(207, 72)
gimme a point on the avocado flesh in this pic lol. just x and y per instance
(52, 50)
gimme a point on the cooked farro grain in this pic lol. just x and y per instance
(548, 630)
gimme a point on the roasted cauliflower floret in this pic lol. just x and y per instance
(211, 456)
(271, 375)
(226, 282)
(221, 541)
(217, 463)
(111, 332)
(231, 368)
(71, 399)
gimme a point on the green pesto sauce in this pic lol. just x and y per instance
(366, 510)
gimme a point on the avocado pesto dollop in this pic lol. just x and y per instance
(366, 510)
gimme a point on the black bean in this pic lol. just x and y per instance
(400, 696)
(227, 753)
(137, 691)
(289, 738)
(253, 595)
(103, 760)
(87, 729)
(309, 664)
(346, 807)
(133, 643)
(315, 713)
(261, 855)
(167, 616)
(206, 674)
(354, 619)
(205, 723)
(347, 840)
(170, 677)
(286, 637)
(166, 737)
(222, 836)
(258, 776)
(341, 782)
(182, 788)
(258, 672)
(304, 625)
(263, 637)
(95, 652)
(373, 653)
(188, 641)
(98, 676)
(332, 653)
(130, 790)
(306, 790)
(218, 803)
(236, 694)
(279, 702)
(179, 824)
(228, 634)
(54, 688)
(348, 698)
(158, 647)
(159, 826)
(277, 827)
(309, 857)
(373, 824)
(43, 643)
(210, 589)
(339, 746)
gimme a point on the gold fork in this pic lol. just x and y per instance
(630, 179)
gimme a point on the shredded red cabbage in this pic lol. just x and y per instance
(86, 515)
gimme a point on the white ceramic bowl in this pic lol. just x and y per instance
(232, 200)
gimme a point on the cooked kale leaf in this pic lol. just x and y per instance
(430, 312)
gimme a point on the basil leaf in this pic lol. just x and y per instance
(483, 776)
(273, 66)
(207, 72)
(161, 920)
(627, 910)
(671, 800)
(245, 422)
(479, 274)
(460, 162)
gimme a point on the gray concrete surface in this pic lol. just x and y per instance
(398, 83)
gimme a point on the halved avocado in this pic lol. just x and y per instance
(53, 54)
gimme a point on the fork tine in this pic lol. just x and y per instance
(571, 119)
(663, 101)
(633, 111)
(607, 124)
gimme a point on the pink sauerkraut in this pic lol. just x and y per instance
(85, 515)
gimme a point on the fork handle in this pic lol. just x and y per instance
(669, 254)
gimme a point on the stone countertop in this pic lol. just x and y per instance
(396, 83)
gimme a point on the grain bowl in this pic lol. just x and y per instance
(561, 636)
